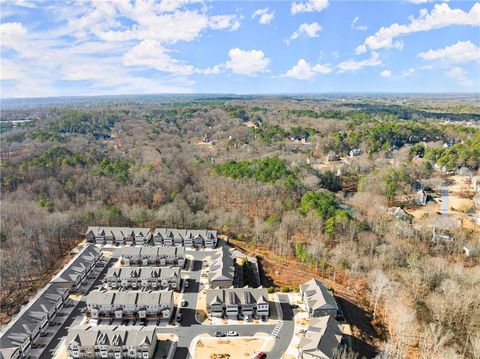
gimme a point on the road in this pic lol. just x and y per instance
(190, 328)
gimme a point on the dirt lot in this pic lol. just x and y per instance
(232, 348)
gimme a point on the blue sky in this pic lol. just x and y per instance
(73, 48)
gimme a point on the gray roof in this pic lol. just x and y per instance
(156, 297)
(143, 272)
(119, 232)
(237, 296)
(112, 335)
(184, 233)
(161, 251)
(322, 338)
(318, 295)
(222, 266)
(73, 269)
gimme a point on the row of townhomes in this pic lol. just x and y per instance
(153, 255)
(143, 278)
(168, 237)
(222, 269)
(324, 334)
(118, 235)
(84, 341)
(129, 304)
(24, 330)
(237, 303)
(185, 238)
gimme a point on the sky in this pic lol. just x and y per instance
(82, 48)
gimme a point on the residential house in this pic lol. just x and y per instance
(222, 269)
(355, 152)
(152, 255)
(139, 304)
(322, 339)
(74, 274)
(111, 342)
(143, 277)
(33, 321)
(238, 302)
(421, 197)
(118, 235)
(185, 238)
(318, 299)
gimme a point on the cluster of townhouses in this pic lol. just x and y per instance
(143, 278)
(130, 304)
(168, 237)
(33, 321)
(185, 238)
(111, 342)
(324, 334)
(153, 255)
(118, 235)
(233, 303)
(222, 269)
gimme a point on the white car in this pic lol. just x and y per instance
(186, 283)
(231, 333)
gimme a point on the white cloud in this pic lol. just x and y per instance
(310, 30)
(151, 53)
(408, 72)
(221, 22)
(172, 5)
(386, 73)
(304, 71)
(309, 6)
(265, 17)
(353, 65)
(441, 16)
(460, 76)
(11, 33)
(462, 51)
(247, 62)
(354, 25)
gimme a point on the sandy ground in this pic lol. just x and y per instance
(232, 348)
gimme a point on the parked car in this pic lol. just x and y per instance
(179, 317)
(183, 303)
(232, 333)
(294, 306)
(302, 331)
(186, 283)
(219, 334)
(261, 355)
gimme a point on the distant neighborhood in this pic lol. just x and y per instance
(137, 292)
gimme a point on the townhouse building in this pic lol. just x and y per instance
(143, 277)
(25, 329)
(222, 269)
(153, 255)
(322, 339)
(33, 321)
(190, 238)
(318, 299)
(118, 235)
(130, 304)
(111, 342)
(237, 303)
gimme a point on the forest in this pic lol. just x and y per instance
(263, 180)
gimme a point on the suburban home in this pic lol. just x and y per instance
(237, 303)
(118, 235)
(73, 275)
(421, 198)
(222, 269)
(143, 277)
(318, 299)
(152, 255)
(185, 238)
(322, 339)
(103, 341)
(130, 304)
(355, 152)
(33, 320)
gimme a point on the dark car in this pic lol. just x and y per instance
(294, 306)
(219, 334)
(261, 355)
